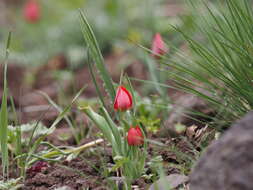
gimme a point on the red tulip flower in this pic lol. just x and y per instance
(158, 46)
(134, 136)
(123, 99)
(32, 11)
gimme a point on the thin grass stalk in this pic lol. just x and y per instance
(18, 143)
(133, 94)
(4, 116)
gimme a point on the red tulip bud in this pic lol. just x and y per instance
(32, 11)
(158, 46)
(134, 136)
(123, 99)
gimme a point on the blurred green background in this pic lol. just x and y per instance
(58, 30)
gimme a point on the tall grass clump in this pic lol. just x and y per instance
(220, 66)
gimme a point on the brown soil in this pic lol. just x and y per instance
(75, 174)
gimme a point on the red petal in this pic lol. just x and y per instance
(123, 99)
(158, 46)
(134, 136)
(32, 11)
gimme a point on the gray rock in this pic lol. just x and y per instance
(228, 163)
(172, 181)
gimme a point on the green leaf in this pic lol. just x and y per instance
(110, 134)
(4, 116)
(91, 41)
(114, 129)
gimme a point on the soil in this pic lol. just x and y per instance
(75, 174)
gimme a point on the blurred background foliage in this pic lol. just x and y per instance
(114, 22)
(118, 25)
(58, 30)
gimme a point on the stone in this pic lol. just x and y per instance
(227, 162)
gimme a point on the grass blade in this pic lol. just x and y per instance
(4, 116)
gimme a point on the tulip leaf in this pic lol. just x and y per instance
(105, 128)
(96, 54)
(114, 129)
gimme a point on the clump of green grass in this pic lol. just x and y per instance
(220, 67)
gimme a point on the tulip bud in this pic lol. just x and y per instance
(134, 136)
(158, 46)
(123, 99)
(32, 11)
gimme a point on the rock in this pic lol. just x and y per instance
(228, 162)
(172, 181)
